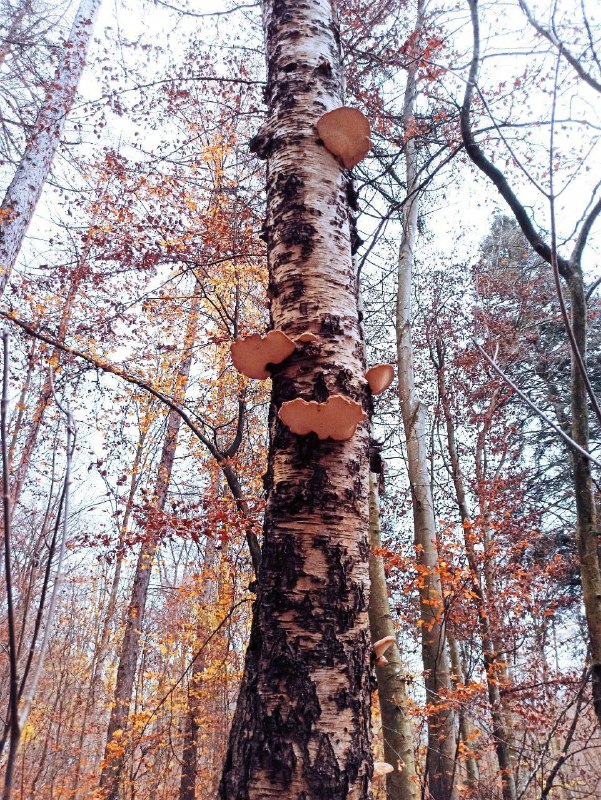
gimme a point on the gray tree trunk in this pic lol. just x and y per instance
(440, 759)
(402, 784)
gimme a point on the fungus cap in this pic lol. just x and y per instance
(345, 133)
(379, 377)
(336, 419)
(251, 354)
(382, 768)
(381, 661)
(382, 645)
(307, 336)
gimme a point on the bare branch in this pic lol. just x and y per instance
(539, 412)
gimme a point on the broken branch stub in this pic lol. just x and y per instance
(336, 419)
(345, 133)
(251, 354)
(379, 377)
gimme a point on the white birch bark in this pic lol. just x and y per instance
(302, 722)
(25, 189)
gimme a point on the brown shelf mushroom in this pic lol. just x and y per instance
(336, 419)
(380, 377)
(251, 354)
(307, 336)
(382, 645)
(345, 133)
(382, 768)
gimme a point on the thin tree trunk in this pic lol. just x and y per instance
(43, 399)
(440, 759)
(302, 722)
(26, 187)
(114, 762)
(490, 651)
(403, 783)
(587, 537)
(187, 789)
(466, 729)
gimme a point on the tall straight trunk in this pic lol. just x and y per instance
(440, 759)
(187, 788)
(490, 650)
(587, 535)
(466, 729)
(101, 647)
(302, 722)
(130, 648)
(402, 784)
(26, 186)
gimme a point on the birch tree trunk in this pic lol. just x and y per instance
(403, 783)
(114, 757)
(24, 191)
(440, 758)
(302, 722)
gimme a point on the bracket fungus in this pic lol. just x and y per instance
(345, 133)
(380, 647)
(382, 768)
(251, 354)
(307, 336)
(336, 419)
(379, 377)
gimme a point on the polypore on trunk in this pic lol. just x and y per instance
(345, 133)
(337, 418)
(382, 768)
(379, 377)
(253, 353)
(382, 645)
(307, 336)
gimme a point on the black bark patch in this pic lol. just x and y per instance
(291, 67)
(300, 234)
(330, 324)
(352, 196)
(344, 381)
(324, 777)
(320, 391)
(323, 69)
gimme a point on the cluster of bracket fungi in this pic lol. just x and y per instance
(344, 133)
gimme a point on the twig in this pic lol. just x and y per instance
(567, 439)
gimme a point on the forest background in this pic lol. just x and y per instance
(129, 596)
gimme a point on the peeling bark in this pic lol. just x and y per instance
(302, 723)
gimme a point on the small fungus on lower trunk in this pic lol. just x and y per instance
(251, 354)
(336, 419)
